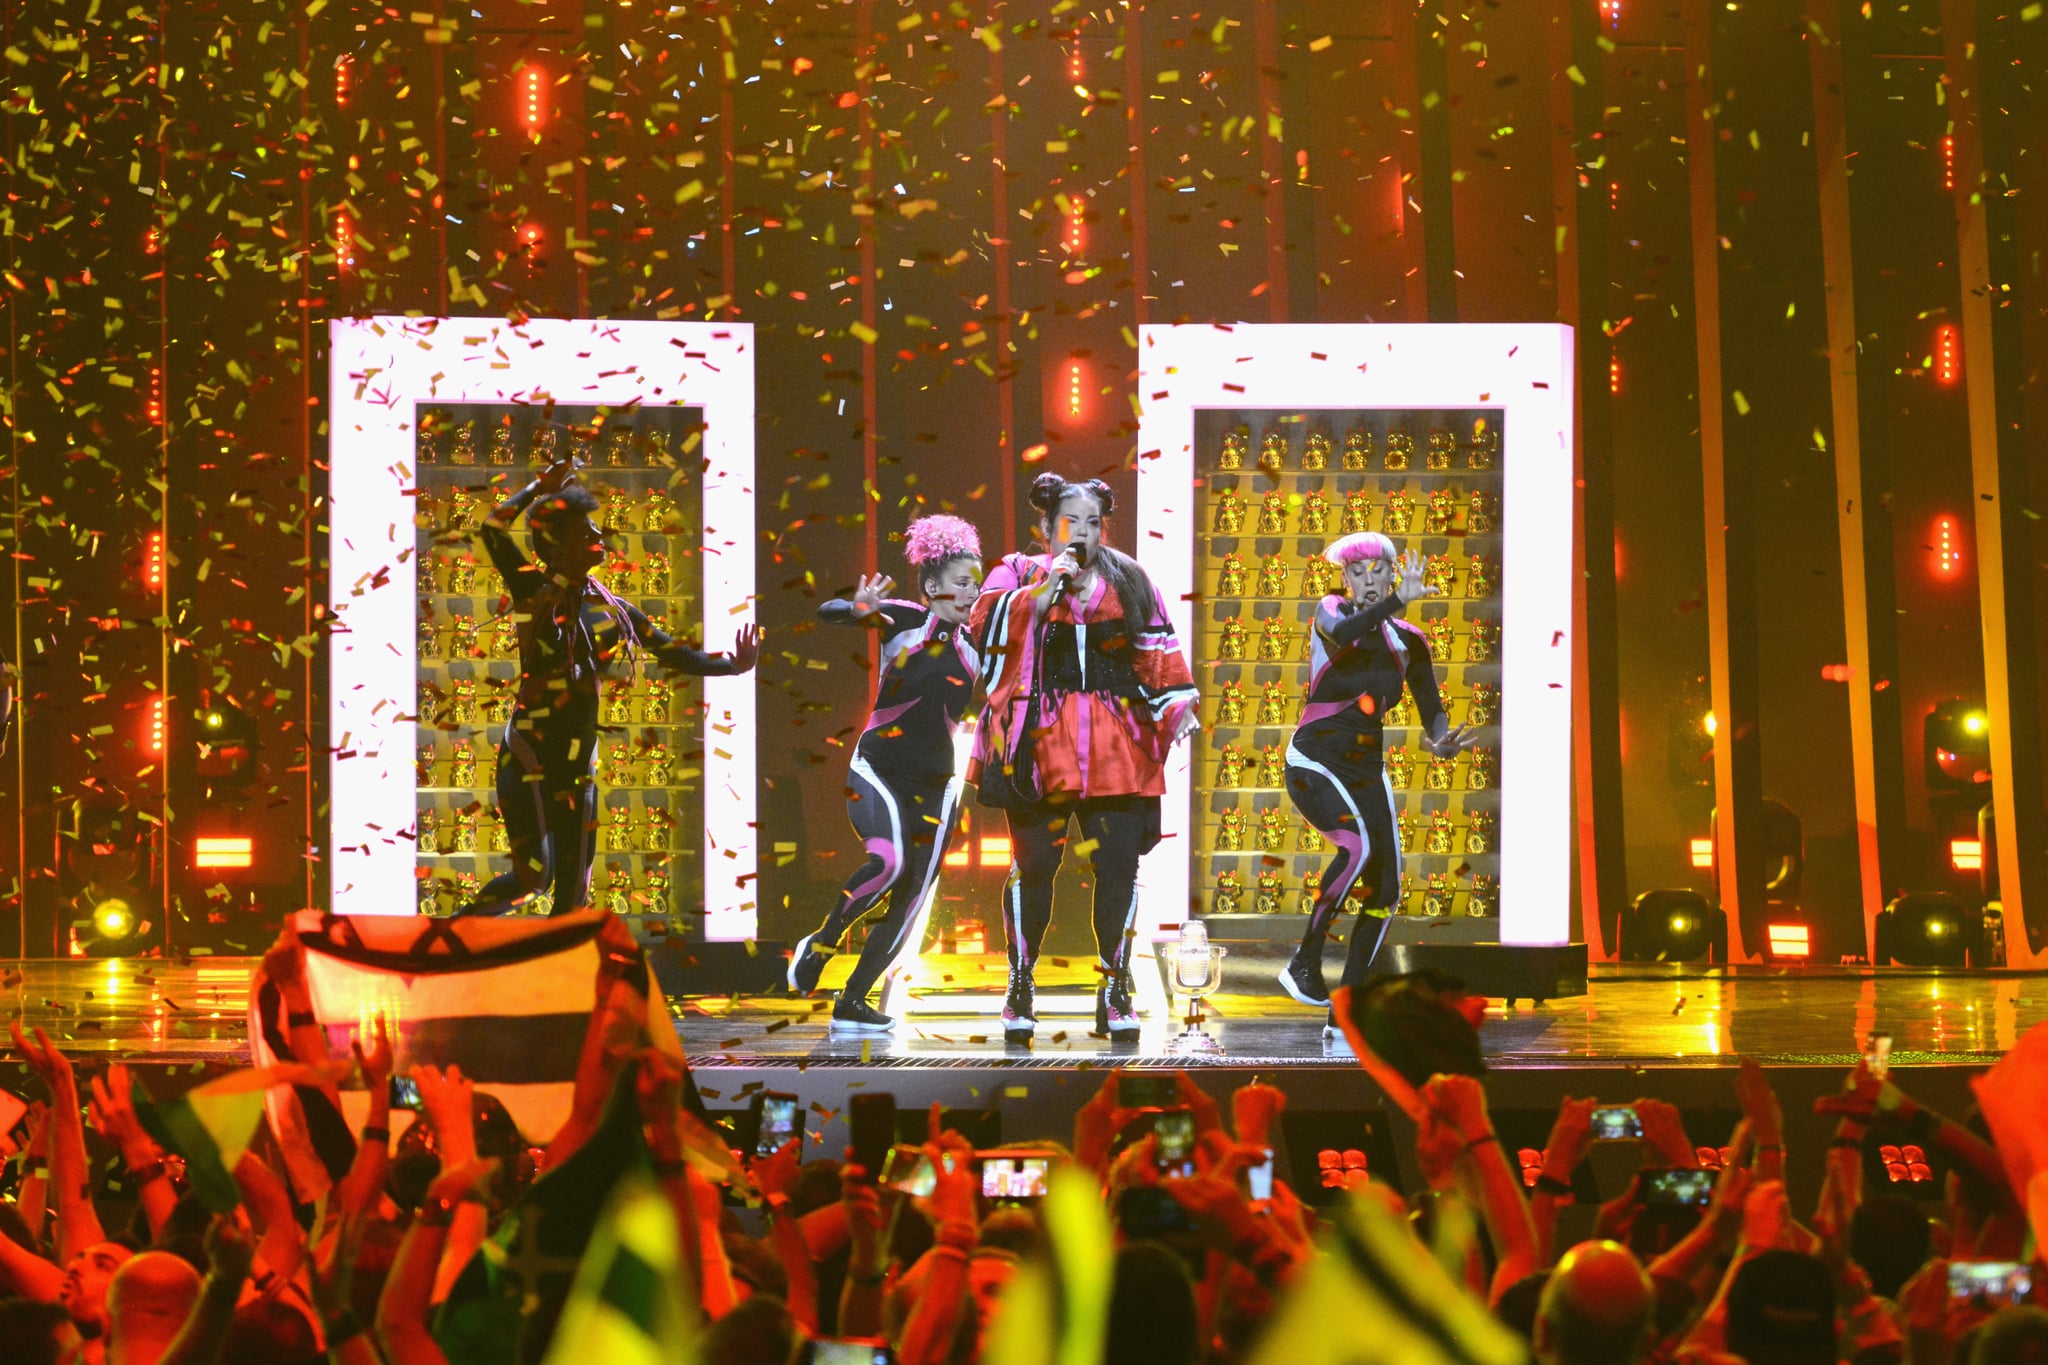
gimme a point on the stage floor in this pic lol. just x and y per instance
(1633, 1016)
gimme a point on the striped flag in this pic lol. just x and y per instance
(1375, 1294)
(508, 1000)
(631, 1302)
(212, 1125)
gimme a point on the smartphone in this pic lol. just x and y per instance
(1991, 1284)
(1877, 1057)
(1014, 1177)
(1613, 1122)
(781, 1118)
(846, 1351)
(1147, 1090)
(1258, 1180)
(405, 1093)
(1173, 1136)
(907, 1171)
(1678, 1186)
(872, 1120)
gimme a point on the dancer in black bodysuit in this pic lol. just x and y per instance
(572, 631)
(1363, 655)
(901, 791)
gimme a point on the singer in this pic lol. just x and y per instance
(1362, 656)
(1087, 691)
(901, 791)
(572, 631)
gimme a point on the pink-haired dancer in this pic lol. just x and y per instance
(901, 791)
(1362, 657)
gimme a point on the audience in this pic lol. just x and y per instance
(460, 1243)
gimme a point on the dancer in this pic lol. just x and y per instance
(572, 631)
(1087, 690)
(1362, 656)
(901, 791)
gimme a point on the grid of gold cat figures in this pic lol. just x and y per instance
(648, 767)
(1278, 489)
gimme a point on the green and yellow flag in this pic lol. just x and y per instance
(631, 1302)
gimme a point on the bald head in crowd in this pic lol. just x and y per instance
(149, 1300)
(1596, 1308)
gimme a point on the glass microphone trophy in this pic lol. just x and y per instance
(1197, 972)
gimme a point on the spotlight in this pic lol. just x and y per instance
(113, 919)
(1956, 746)
(1673, 926)
(1929, 929)
(109, 922)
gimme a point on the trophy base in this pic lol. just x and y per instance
(1193, 1042)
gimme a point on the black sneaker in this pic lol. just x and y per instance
(1118, 1016)
(1302, 978)
(805, 966)
(858, 1016)
(1020, 1010)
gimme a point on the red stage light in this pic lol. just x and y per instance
(1948, 362)
(1610, 10)
(157, 719)
(1789, 942)
(223, 852)
(153, 401)
(1948, 163)
(1074, 389)
(344, 242)
(1075, 228)
(533, 97)
(344, 72)
(995, 850)
(1966, 855)
(1837, 672)
(153, 561)
(1948, 547)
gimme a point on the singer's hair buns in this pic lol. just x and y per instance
(1049, 490)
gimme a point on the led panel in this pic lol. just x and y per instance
(381, 368)
(1524, 371)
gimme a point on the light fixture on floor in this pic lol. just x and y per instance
(1928, 929)
(1672, 926)
(1787, 941)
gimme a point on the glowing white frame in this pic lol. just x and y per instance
(380, 367)
(1526, 372)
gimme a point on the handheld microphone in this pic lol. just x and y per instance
(1080, 553)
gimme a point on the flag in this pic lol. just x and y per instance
(631, 1302)
(1377, 1295)
(211, 1127)
(525, 1268)
(2013, 1095)
(507, 1000)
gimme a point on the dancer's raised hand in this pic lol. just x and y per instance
(1411, 586)
(867, 598)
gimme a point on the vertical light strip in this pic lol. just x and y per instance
(1526, 373)
(380, 368)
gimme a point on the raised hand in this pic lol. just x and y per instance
(1411, 586)
(1664, 1133)
(557, 476)
(230, 1248)
(867, 598)
(1571, 1135)
(448, 1100)
(746, 648)
(376, 1063)
(1253, 1109)
(113, 1115)
(1453, 741)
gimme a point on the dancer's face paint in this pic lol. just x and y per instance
(952, 592)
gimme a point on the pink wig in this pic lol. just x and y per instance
(1361, 545)
(934, 540)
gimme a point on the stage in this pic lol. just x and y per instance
(1669, 1033)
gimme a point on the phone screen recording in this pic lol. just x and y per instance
(405, 1093)
(908, 1171)
(1992, 1283)
(1679, 1185)
(1013, 1177)
(1147, 1091)
(1613, 1122)
(781, 1120)
(1173, 1136)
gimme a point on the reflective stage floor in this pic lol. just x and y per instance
(1636, 1032)
(1633, 1016)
